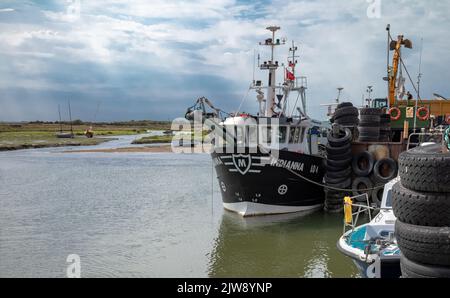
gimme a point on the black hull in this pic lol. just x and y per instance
(258, 184)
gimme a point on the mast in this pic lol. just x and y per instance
(272, 66)
(60, 121)
(70, 119)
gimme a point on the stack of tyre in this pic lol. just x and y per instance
(385, 127)
(421, 203)
(369, 125)
(346, 115)
(371, 175)
(338, 169)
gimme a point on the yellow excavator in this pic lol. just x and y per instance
(413, 113)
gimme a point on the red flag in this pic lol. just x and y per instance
(290, 76)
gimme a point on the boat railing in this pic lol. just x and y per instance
(421, 137)
(351, 217)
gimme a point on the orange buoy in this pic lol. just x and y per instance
(395, 113)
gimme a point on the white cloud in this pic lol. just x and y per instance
(340, 45)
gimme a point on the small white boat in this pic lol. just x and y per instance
(373, 246)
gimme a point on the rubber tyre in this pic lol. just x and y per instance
(329, 180)
(344, 104)
(346, 111)
(370, 118)
(412, 269)
(344, 138)
(385, 119)
(343, 173)
(370, 111)
(377, 194)
(339, 163)
(421, 208)
(349, 120)
(367, 184)
(393, 170)
(330, 168)
(335, 201)
(425, 169)
(369, 131)
(368, 140)
(357, 169)
(426, 245)
(338, 150)
(343, 156)
(343, 185)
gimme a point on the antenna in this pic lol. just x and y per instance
(254, 66)
(419, 77)
(369, 91)
(339, 94)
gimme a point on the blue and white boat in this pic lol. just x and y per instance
(373, 246)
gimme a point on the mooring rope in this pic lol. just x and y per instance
(447, 137)
(326, 186)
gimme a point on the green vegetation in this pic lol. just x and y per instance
(39, 134)
(154, 140)
(168, 138)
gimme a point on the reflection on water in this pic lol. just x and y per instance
(280, 246)
(147, 215)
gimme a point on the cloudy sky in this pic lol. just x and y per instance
(151, 59)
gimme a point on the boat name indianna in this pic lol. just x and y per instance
(243, 164)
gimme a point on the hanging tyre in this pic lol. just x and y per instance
(411, 269)
(426, 245)
(362, 185)
(362, 164)
(425, 169)
(385, 170)
(421, 208)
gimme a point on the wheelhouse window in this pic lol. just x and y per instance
(282, 134)
(265, 134)
(302, 135)
(294, 135)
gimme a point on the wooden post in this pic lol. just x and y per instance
(406, 129)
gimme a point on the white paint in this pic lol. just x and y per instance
(255, 209)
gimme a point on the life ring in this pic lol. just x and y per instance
(423, 117)
(447, 119)
(398, 113)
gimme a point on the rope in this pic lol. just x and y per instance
(296, 101)
(243, 100)
(447, 137)
(410, 79)
(326, 186)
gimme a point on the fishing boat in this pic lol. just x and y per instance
(372, 246)
(272, 162)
